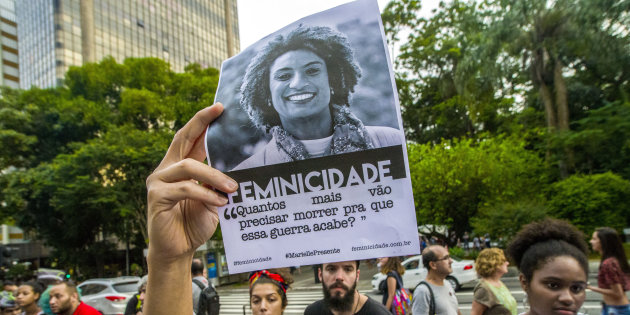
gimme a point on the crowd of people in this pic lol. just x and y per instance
(551, 255)
(34, 298)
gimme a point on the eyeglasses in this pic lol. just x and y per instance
(447, 257)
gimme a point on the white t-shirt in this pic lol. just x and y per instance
(445, 300)
(317, 147)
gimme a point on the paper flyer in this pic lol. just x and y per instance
(313, 134)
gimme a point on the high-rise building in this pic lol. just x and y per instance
(55, 34)
(9, 71)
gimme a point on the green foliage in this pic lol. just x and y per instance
(83, 152)
(591, 201)
(19, 272)
(457, 252)
(444, 96)
(453, 180)
(504, 219)
(506, 67)
(475, 73)
(601, 140)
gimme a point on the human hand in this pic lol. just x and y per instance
(182, 214)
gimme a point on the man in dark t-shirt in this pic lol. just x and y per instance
(339, 282)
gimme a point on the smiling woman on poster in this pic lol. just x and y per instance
(297, 88)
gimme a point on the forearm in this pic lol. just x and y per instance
(614, 293)
(391, 290)
(169, 287)
(388, 304)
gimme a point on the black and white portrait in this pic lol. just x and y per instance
(318, 87)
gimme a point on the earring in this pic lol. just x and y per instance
(332, 92)
(269, 103)
(526, 302)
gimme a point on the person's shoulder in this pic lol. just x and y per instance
(316, 308)
(481, 285)
(384, 136)
(421, 289)
(84, 309)
(610, 263)
(255, 160)
(373, 307)
(267, 155)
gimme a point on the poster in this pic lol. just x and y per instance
(312, 132)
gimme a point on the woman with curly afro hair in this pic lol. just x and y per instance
(297, 88)
(551, 257)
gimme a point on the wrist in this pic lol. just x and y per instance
(161, 264)
(168, 277)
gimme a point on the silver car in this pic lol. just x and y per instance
(109, 295)
(463, 274)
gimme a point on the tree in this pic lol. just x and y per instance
(592, 201)
(453, 180)
(479, 65)
(504, 219)
(600, 141)
(443, 95)
(84, 152)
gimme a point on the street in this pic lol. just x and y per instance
(234, 299)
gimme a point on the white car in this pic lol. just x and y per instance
(109, 295)
(463, 273)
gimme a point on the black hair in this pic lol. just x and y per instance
(612, 247)
(196, 268)
(333, 47)
(540, 242)
(428, 256)
(36, 286)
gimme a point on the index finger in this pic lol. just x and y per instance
(185, 138)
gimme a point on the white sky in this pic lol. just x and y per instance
(258, 18)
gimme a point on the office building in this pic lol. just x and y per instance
(9, 51)
(56, 34)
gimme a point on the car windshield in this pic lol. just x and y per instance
(126, 287)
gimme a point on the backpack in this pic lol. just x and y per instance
(401, 303)
(208, 300)
(431, 299)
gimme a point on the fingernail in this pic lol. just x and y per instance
(231, 184)
(222, 199)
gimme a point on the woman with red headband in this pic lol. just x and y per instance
(268, 291)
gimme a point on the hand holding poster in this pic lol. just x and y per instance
(312, 133)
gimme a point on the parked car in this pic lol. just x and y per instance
(109, 295)
(463, 274)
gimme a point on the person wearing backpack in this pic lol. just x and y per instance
(205, 297)
(392, 267)
(434, 295)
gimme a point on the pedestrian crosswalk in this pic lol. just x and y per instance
(236, 301)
